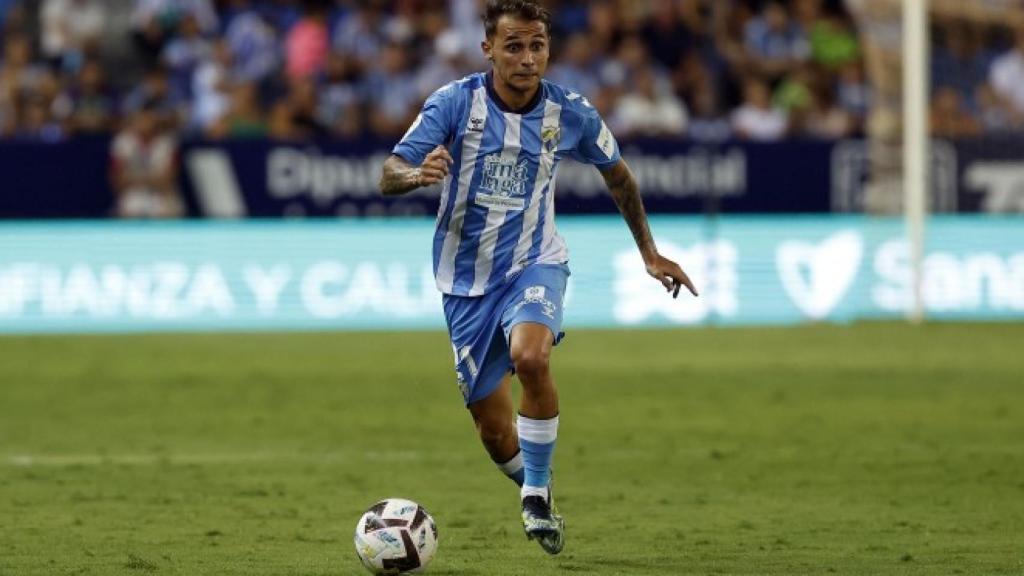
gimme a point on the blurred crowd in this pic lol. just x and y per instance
(302, 69)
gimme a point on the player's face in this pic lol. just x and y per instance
(519, 52)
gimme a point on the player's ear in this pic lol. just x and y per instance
(486, 47)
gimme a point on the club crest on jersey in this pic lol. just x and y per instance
(549, 136)
(476, 124)
(503, 177)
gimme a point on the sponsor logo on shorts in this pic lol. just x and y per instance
(538, 295)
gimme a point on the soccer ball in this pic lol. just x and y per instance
(396, 536)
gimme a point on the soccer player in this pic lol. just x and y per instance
(494, 140)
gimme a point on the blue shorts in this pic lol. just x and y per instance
(482, 350)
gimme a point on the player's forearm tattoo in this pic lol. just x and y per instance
(626, 194)
(398, 177)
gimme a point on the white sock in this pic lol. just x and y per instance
(513, 468)
(541, 491)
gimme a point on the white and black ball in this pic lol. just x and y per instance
(396, 536)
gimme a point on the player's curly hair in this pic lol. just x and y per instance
(531, 10)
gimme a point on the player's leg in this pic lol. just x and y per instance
(537, 425)
(483, 368)
(530, 348)
(495, 423)
(532, 322)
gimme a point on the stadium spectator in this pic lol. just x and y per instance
(307, 44)
(430, 27)
(445, 64)
(631, 55)
(70, 30)
(466, 24)
(144, 168)
(807, 14)
(958, 62)
(339, 107)
(87, 106)
(831, 38)
(693, 75)
(569, 18)
(295, 117)
(950, 117)
(401, 24)
(616, 74)
(994, 112)
(602, 23)
(156, 88)
(853, 94)
(793, 94)
(154, 22)
(244, 117)
(648, 109)
(775, 43)
(575, 68)
(347, 47)
(391, 92)
(361, 33)
(707, 124)
(1007, 74)
(281, 15)
(339, 99)
(18, 72)
(252, 42)
(824, 118)
(667, 35)
(758, 119)
(211, 84)
(6, 7)
(37, 123)
(185, 52)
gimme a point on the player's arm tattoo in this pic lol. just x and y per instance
(399, 177)
(626, 194)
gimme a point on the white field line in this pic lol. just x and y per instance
(128, 459)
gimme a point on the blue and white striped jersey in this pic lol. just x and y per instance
(497, 204)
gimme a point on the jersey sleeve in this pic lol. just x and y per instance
(433, 126)
(596, 145)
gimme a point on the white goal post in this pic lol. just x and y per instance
(915, 141)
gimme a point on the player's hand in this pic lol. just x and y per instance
(434, 167)
(670, 275)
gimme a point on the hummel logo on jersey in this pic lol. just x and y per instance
(476, 124)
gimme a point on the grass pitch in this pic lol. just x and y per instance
(869, 449)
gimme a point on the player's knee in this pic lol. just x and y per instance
(531, 363)
(495, 431)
